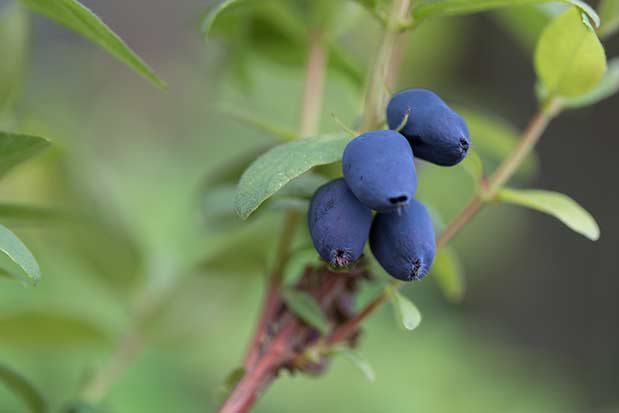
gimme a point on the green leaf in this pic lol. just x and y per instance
(37, 329)
(569, 58)
(556, 204)
(16, 148)
(609, 14)
(270, 172)
(305, 306)
(447, 271)
(80, 19)
(16, 260)
(20, 385)
(606, 87)
(406, 312)
(14, 29)
(28, 214)
(230, 383)
(435, 8)
(80, 406)
(358, 361)
(246, 117)
(215, 12)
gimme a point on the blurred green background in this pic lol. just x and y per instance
(138, 216)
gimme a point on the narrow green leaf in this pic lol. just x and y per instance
(359, 362)
(305, 306)
(80, 19)
(16, 148)
(569, 58)
(230, 383)
(14, 29)
(609, 14)
(20, 385)
(16, 260)
(406, 312)
(246, 117)
(29, 214)
(448, 273)
(270, 172)
(556, 204)
(605, 88)
(435, 8)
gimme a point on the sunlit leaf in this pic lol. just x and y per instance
(269, 173)
(406, 312)
(16, 148)
(358, 361)
(605, 88)
(24, 389)
(16, 260)
(306, 307)
(80, 19)
(448, 273)
(556, 204)
(609, 14)
(435, 8)
(569, 58)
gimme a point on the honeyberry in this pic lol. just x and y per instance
(403, 242)
(338, 223)
(436, 133)
(379, 169)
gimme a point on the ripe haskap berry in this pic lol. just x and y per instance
(403, 242)
(379, 169)
(436, 133)
(339, 224)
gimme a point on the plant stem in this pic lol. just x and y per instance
(384, 70)
(503, 173)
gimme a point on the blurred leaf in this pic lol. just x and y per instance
(374, 7)
(558, 205)
(28, 214)
(406, 312)
(16, 260)
(525, 24)
(304, 186)
(217, 11)
(14, 29)
(358, 361)
(270, 172)
(45, 330)
(246, 117)
(81, 407)
(230, 383)
(435, 8)
(473, 166)
(231, 169)
(609, 14)
(20, 385)
(298, 260)
(447, 271)
(569, 58)
(289, 203)
(80, 19)
(16, 148)
(304, 305)
(493, 139)
(606, 87)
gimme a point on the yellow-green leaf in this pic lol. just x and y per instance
(406, 312)
(556, 204)
(82, 20)
(569, 58)
(448, 273)
(605, 88)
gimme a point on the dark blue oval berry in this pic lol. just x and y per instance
(338, 223)
(436, 133)
(403, 242)
(379, 169)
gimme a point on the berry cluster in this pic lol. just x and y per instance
(379, 174)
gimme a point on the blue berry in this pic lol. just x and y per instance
(436, 133)
(403, 242)
(379, 169)
(338, 223)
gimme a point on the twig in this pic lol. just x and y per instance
(504, 172)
